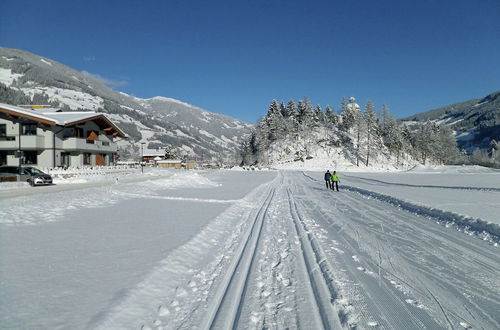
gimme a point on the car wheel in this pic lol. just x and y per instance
(31, 183)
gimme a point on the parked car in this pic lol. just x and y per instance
(32, 175)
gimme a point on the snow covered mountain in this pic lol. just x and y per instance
(475, 122)
(26, 78)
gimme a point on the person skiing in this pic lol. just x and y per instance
(335, 181)
(328, 179)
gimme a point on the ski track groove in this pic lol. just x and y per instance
(324, 303)
(479, 227)
(244, 260)
(466, 254)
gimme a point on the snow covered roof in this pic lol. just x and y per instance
(52, 116)
(169, 161)
(153, 152)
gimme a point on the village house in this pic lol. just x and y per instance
(48, 137)
(151, 156)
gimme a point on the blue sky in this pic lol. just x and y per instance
(234, 57)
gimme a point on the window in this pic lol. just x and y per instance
(10, 169)
(3, 134)
(29, 158)
(87, 159)
(79, 132)
(29, 129)
(3, 158)
(65, 159)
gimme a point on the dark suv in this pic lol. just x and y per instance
(30, 174)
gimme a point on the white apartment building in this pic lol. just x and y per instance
(48, 137)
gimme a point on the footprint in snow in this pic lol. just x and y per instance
(163, 311)
(181, 292)
(465, 325)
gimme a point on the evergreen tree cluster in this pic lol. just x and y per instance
(364, 132)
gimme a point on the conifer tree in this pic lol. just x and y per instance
(293, 117)
(319, 116)
(370, 119)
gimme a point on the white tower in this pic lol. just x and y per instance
(352, 104)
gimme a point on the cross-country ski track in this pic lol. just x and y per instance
(292, 254)
(309, 258)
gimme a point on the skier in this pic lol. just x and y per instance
(335, 180)
(328, 180)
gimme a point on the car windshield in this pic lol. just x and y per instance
(33, 170)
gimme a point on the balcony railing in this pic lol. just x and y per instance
(10, 142)
(73, 143)
(7, 138)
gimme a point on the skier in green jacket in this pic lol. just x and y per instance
(335, 180)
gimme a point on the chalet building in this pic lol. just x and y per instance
(151, 156)
(48, 137)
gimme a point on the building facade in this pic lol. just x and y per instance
(48, 137)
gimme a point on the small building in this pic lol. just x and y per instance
(170, 163)
(150, 156)
(190, 164)
(48, 137)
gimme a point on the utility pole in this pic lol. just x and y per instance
(142, 157)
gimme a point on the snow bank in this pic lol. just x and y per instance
(13, 185)
(485, 230)
(465, 169)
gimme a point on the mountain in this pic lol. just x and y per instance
(475, 122)
(26, 78)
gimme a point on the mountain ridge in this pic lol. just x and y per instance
(476, 122)
(159, 121)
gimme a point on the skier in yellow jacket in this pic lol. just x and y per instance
(335, 180)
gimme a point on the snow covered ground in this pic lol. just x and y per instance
(253, 249)
(470, 191)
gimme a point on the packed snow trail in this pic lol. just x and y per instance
(405, 270)
(278, 252)
(304, 257)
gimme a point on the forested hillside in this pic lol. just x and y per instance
(360, 137)
(476, 124)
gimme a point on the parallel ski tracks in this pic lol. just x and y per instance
(482, 259)
(229, 301)
(318, 269)
(230, 298)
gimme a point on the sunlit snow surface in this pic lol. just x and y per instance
(252, 249)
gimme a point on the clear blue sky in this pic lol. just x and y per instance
(234, 57)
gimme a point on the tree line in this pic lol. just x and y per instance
(363, 131)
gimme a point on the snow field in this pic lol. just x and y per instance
(53, 207)
(393, 269)
(177, 292)
(249, 249)
(467, 197)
